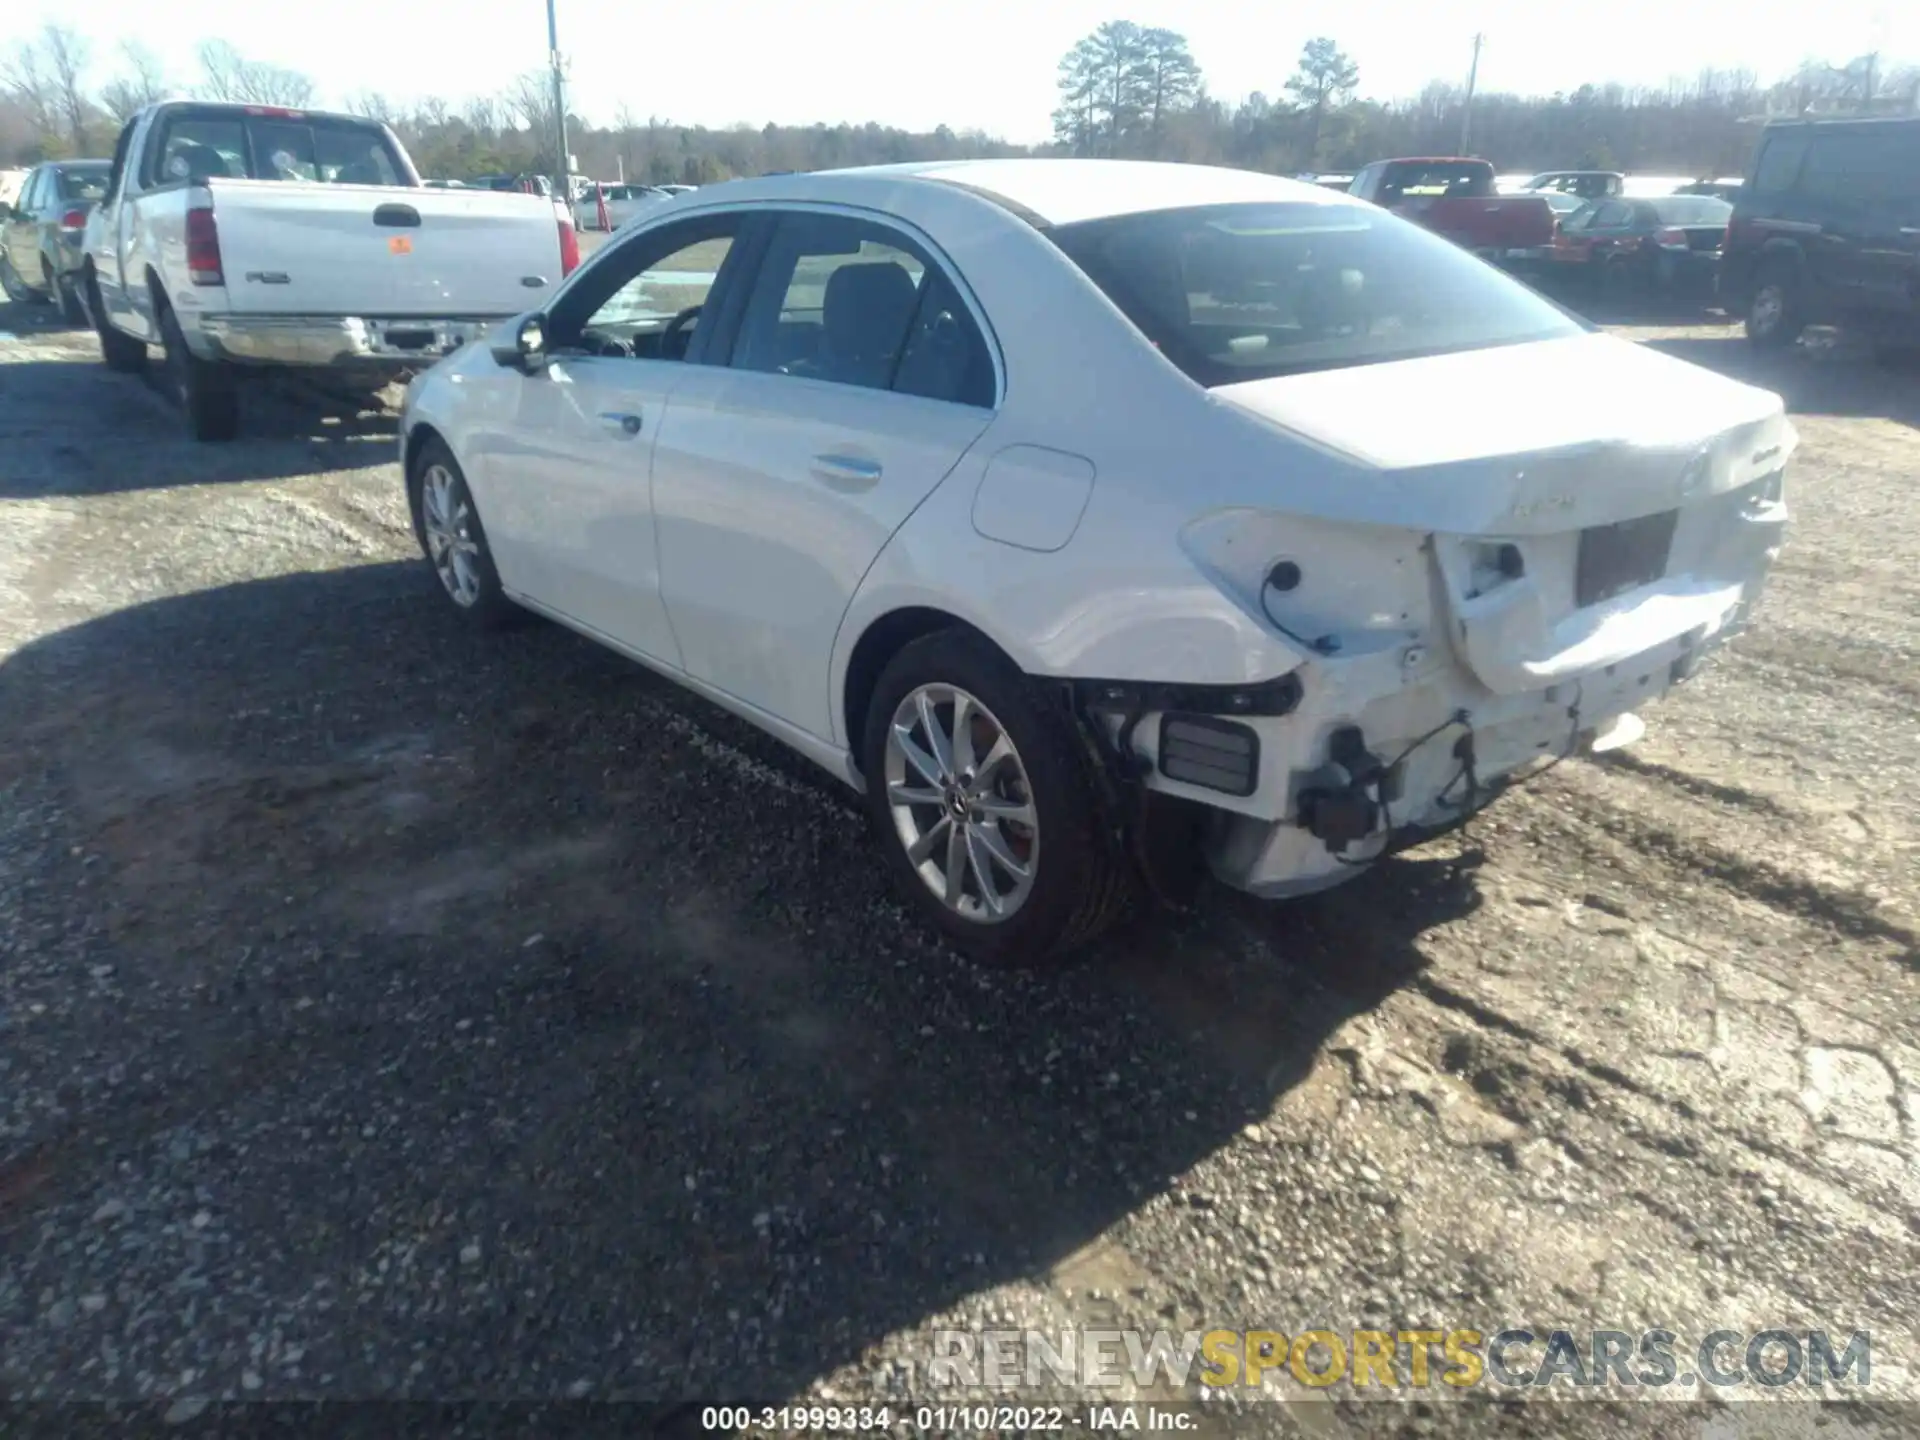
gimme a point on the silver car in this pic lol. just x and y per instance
(40, 232)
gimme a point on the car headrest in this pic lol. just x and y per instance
(867, 307)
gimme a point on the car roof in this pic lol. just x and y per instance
(1050, 191)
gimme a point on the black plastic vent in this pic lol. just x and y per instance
(1216, 754)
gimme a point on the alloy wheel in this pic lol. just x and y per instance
(1769, 305)
(961, 803)
(446, 517)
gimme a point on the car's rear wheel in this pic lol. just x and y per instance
(983, 798)
(447, 523)
(1774, 316)
(206, 391)
(119, 352)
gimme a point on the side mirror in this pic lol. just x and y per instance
(526, 348)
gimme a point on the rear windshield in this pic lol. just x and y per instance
(77, 183)
(262, 147)
(1240, 292)
(1437, 179)
(1692, 210)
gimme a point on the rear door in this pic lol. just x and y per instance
(1835, 194)
(23, 235)
(860, 374)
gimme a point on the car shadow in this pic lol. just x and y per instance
(80, 429)
(1824, 374)
(580, 1014)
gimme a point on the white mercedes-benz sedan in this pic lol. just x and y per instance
(1098, 519)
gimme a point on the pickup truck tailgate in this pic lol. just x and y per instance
(352, 250)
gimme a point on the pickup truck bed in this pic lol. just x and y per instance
(1457, 198)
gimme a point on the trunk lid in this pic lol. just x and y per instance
(291, 248)
(1588, 499)
(1522, 439)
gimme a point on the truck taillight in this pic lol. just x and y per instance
(203, 247)
(1670, 239)
(569, 247)
(74, 220)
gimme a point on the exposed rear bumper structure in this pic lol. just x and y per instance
(1385, 746)
(397, 342)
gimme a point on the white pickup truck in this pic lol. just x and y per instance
(244, 236)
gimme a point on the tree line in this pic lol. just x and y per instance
(1126, 90)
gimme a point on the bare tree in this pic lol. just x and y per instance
(30, 83)
(228, 75)
(143, 83)
(373, 105)
(67, 55)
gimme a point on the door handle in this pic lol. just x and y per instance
(846, 472)
(624, 423)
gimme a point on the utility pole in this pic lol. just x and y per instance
(562, 171)
(1466, 111)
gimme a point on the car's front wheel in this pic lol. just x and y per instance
(447, 523)
(984, 799)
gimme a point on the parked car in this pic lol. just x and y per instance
(240, 236)
(1722, 189)
(963, 481)
(40, 233)
(1826, 231)
(1669, 246)
(623, 203)
(1456, 198)
(677, 189)
(1586, 184)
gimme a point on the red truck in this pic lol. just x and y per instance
(1457, 198)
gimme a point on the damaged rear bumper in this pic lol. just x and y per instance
(1392, 741)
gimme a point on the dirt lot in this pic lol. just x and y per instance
(389, 1012)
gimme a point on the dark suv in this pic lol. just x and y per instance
(1826, 231)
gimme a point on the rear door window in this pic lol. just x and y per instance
(1860, 166)
(835, 300)
(1779, 166)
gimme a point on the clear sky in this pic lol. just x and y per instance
(988, 64)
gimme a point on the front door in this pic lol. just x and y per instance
(568, 503)
(858, 379)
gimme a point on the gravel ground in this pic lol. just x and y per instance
(388, 1012)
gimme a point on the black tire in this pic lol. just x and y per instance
(1082, 880)
(122, 353)
(488, 607)
(208, 396)
(1775, 313)
(1618, 282)
(71, 310)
